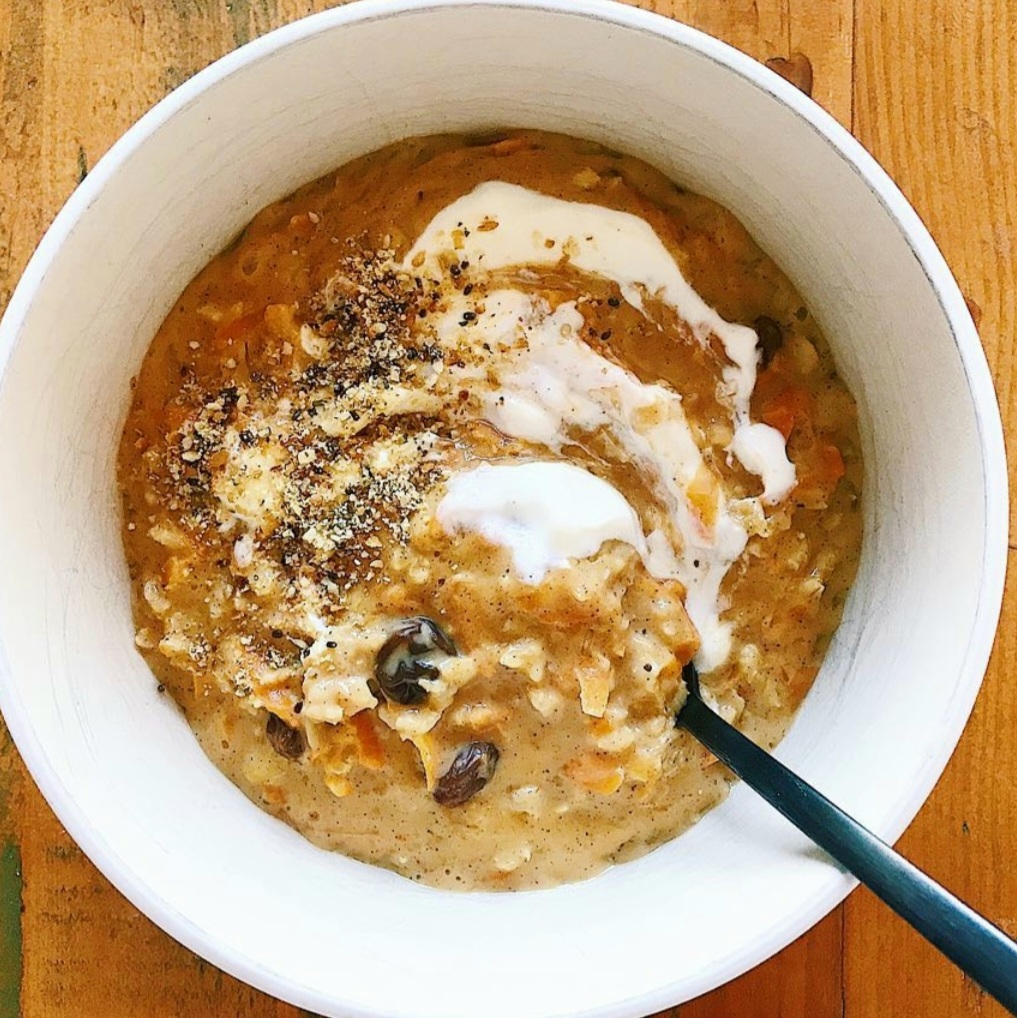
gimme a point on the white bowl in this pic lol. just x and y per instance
(118, 764)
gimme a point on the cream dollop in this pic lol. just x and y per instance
(544, 513)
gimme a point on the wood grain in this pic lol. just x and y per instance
(929, 88)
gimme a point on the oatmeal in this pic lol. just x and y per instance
(436, 477)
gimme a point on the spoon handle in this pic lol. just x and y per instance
(970, 941)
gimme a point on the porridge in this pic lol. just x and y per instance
(435, 478)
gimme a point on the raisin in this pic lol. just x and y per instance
(471, 770)
(771, 339)
(286, 741)
(400, 666)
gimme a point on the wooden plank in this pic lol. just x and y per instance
(21, 224)
(942, 123)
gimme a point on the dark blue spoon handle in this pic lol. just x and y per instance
(970, 941)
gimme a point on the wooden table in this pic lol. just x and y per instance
(929, 88)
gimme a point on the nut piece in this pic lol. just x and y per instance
(471, 770)
(771, 339)
(286, 741)
(400, 666)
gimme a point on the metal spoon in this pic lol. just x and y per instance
(970, 941)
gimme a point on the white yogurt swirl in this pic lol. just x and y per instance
(551, 383)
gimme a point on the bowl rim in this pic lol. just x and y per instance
(925, 251)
